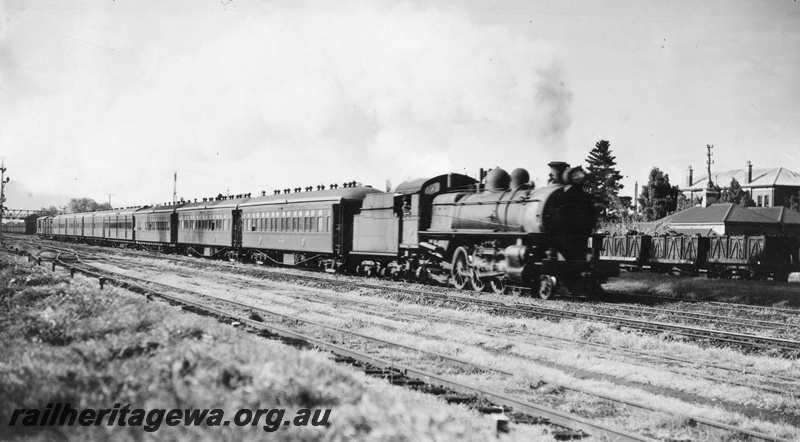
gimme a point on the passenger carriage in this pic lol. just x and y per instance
(157, 227)
(119, 227)
(44, 226)
(311, 228)
(207, 228)
(69, 226)
(94, 223)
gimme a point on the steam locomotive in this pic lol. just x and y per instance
(481, 235)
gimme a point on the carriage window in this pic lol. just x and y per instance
(319, 224)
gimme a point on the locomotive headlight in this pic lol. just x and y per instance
(577, 176)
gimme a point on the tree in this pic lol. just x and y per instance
(602, 179)
(736, 195)
(686, 203)
(77, 205)
(50, 211)
(658, 197)
(619, 208)
(794, 201)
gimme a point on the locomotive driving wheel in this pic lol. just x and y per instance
(461, 273)
(547, 288)
(478, 284)
(498, 285)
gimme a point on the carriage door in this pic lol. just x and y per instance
(337, 215)
(236, 229)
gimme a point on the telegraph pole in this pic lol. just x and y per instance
(3, 181)
(109, 200)
(175, 188)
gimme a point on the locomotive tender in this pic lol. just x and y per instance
(503, 232)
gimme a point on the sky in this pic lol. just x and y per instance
(109, 99)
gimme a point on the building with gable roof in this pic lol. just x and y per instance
(732, 219)
(722, 219)
(768, 187)
(789, 219)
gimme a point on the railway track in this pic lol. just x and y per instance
(393, 369)
(734, 309)
(397, 370)
(688, 316)
(789, 348)
(775, 385)
(729, 306)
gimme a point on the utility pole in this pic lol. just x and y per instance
(3, 181)
(636, 197)
(109, 200)
(175, 188)
(709, 163)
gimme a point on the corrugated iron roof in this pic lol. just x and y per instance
(717, 213)
(780, 214)
(777, 176)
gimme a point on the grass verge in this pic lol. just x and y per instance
(67, 342)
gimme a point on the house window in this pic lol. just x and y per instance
(766, 200)
(759, 201)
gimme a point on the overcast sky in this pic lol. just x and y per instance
(113, 97)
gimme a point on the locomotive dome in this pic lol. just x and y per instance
(497, 179)
(519, 178)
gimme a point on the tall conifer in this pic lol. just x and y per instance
(602, 179)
